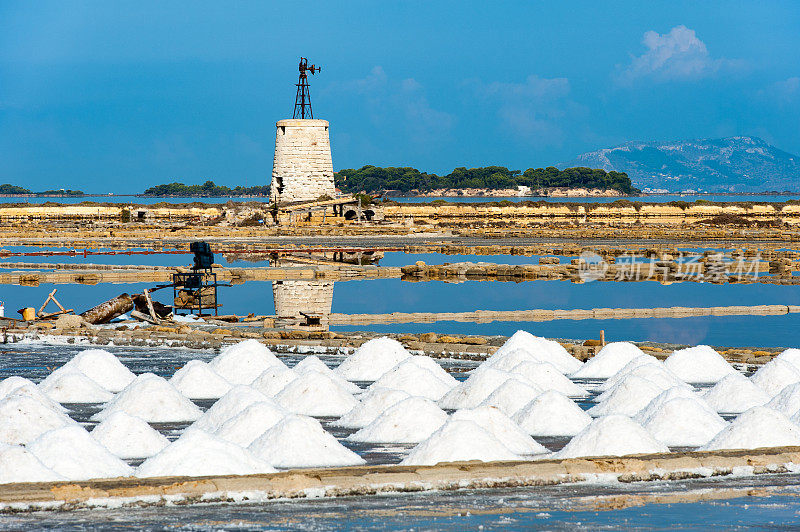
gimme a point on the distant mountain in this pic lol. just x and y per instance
(731, 164)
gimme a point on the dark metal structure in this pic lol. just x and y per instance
(197, 290)
(302, 102)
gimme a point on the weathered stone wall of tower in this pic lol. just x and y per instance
(303, 168)
(294, 297)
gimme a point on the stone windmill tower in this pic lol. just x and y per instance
(303, 168)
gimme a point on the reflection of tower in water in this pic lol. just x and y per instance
(303, 303)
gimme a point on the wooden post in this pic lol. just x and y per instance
(149, 301)
(602, 337)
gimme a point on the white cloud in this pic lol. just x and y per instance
(677, 55)
(783, 92)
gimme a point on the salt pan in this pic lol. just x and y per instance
(457, 441)
(273, 380)
(370, 405)
(699, 365)
(152, 399)
(627, 397)
(251, 423)
(126, 436)
(72, 453)
(315, 394)
(374, 358)
(103, 368)
(614, 435)
(787, 401)
(197, 453)
(17, 464)
(735, 393)
(241, 363)
(501, 427)
(547, 377)
(684, 422)
(775, 375)
(611, 358)
(409, 421)
(23, 418)
(300, 441)
(312, 362)
(475, 389)
(196, 380)
(67, 384)
(552, 414)
(227, 407)
(758, 427)
(511, 396)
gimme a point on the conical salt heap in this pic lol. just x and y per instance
(611, 436)
(72, 453)
(626, 398)
(409, 421)
(775, 375)
(313, 363)
(699, 365)
(23, 419)
(273, 380)
(370, 405)
(126, 436)
(243, 428)
(552, 414)
(512, 395)
(541, 349)
(17, 464)
(457, 441)
(611, 358)
(734, 394)
(501, 427)
(547, 377)
(152, 399)
(636, 363)
(229, 406)
(315, 394)
(787, 402)
(20, 386)
(758, 427)
(196, 380)
(791, 356)
(415, 380)
(657, 374)
(683, 422)
(374, 358)
(241, 363)
(103, 368)
(68, 384)
(472, 392)
(667, 395)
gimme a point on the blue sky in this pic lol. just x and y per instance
(118, 96)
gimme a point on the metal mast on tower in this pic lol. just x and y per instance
(302, 102)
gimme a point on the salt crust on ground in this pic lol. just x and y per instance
(611, 358)
(475, 389)
(300, 441)
(644, 360)
(197, 453)
(683, 422)
(313, 363)
(370, 405)
(127, 436)
(758, 427)
(374, 358)
(251, 423)
(17, 464)
(775, 375)
(552, 414)
(74, 454)
(103, 368)
(273, 380)
(21, 386)
(501, 427)
(512, 395)
(315, 394)
(68, 384)
(152, 399)
(408, 421)
(667, 395)
(459, 440)
(23, 419)
(414, 380)
(241, 363)
(542, 349)
(735, 393)
(228, 406)
(547, 377)
(699, 365)
(611, 436)
(626, 398)
(196, 380)
(787, 401)
(791, 356)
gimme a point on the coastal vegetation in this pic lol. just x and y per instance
(14, 190)
(372, 179)
(207, 189)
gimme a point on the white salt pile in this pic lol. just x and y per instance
(552, 414)
(19, 387)
(19, 465)
(792, 356)
(241, 363)
(667, 395)
(315, 394)
(300, 441)
(735, 393)
(611, 358)
(228, 406)
(251, 423)
(698, 365)
(626, 398)
(475, 389)
(775, 375)
(501, 427)
(644, 360)
(409, 421)
(457, 441)
(75, 455)
(683, 422)
(547, 377)
(273, 380)
(409, 377)
(103, 368)
(507, 360)
(611, 436)
(543, 350)
(758, 427)
(152, 399)
(374, 358)
(68, 384)
(126, 436)
(512, 395)
(196, 380)
(787, 401)
(370, 405)
(655, 373)
(427, 363)
(23, 419)
(313, 363)
(197, 453)
(12, 384)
